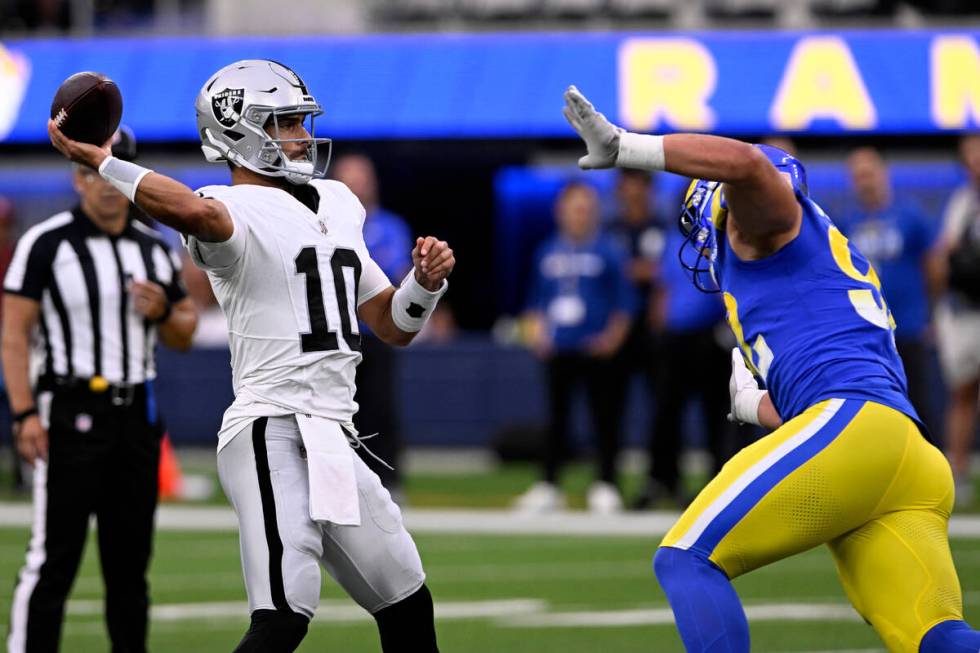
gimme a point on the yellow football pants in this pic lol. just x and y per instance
(859, 477)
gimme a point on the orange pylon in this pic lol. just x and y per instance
(171, 480)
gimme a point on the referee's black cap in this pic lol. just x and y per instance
(124, 144)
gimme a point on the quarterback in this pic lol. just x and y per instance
(284, 252)
(848, 463)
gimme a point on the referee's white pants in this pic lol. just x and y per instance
(264, 474)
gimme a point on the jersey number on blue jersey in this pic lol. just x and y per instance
(868, 302)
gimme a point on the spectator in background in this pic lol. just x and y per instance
(958, 316)
(7, 242)
(390, 242)
(694, 362)
(8, 238)
(897, 238)
(641, 234)
(580, 311)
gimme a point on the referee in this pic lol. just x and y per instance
(88, 293)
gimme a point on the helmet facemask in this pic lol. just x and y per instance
(272, 155)
(700, 247)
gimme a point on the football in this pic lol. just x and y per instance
(87, 107)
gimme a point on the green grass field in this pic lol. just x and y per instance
(528, 583)
(493, 593)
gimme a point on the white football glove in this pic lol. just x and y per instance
(744, 391)
(601, 136)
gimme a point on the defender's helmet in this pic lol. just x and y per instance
(239, 101)
(704, 211)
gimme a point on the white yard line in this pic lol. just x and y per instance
(511, 613)
(660, 616)
(488, 522)
(330, 611)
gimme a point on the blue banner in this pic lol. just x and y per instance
(510, 85)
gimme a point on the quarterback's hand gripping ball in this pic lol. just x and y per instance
(87, 108)
(85, 113)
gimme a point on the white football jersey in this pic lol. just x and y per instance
(289, 282)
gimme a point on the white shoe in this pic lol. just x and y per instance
(603, 499)
(540, 497)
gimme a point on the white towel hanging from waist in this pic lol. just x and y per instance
(333, 482)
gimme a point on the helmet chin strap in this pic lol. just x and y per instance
(301, 172)
(299, 176)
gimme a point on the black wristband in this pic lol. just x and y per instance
(166, 314)
(21, 416)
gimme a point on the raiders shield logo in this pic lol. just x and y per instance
(227, 106)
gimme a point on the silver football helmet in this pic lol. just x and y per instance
(237, 106)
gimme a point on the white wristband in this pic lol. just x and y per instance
(123, 175)
(745, 406)
(412, 304)
(640, 151)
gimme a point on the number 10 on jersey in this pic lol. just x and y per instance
(321, 336)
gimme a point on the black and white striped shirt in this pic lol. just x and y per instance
(79, 274)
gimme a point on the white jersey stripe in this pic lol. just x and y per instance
(755, 471)
(134, 269)
(14, 280)
(162, 265)
(30, 573)
(109, 302)
(70, 282)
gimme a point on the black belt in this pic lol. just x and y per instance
(118, 394)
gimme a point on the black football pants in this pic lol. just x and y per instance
(603, 382)
(915, 360)
(691, 364)
(102, 460)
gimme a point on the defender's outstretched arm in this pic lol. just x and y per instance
(760, 199)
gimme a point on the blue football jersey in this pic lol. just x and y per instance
(811, 320)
